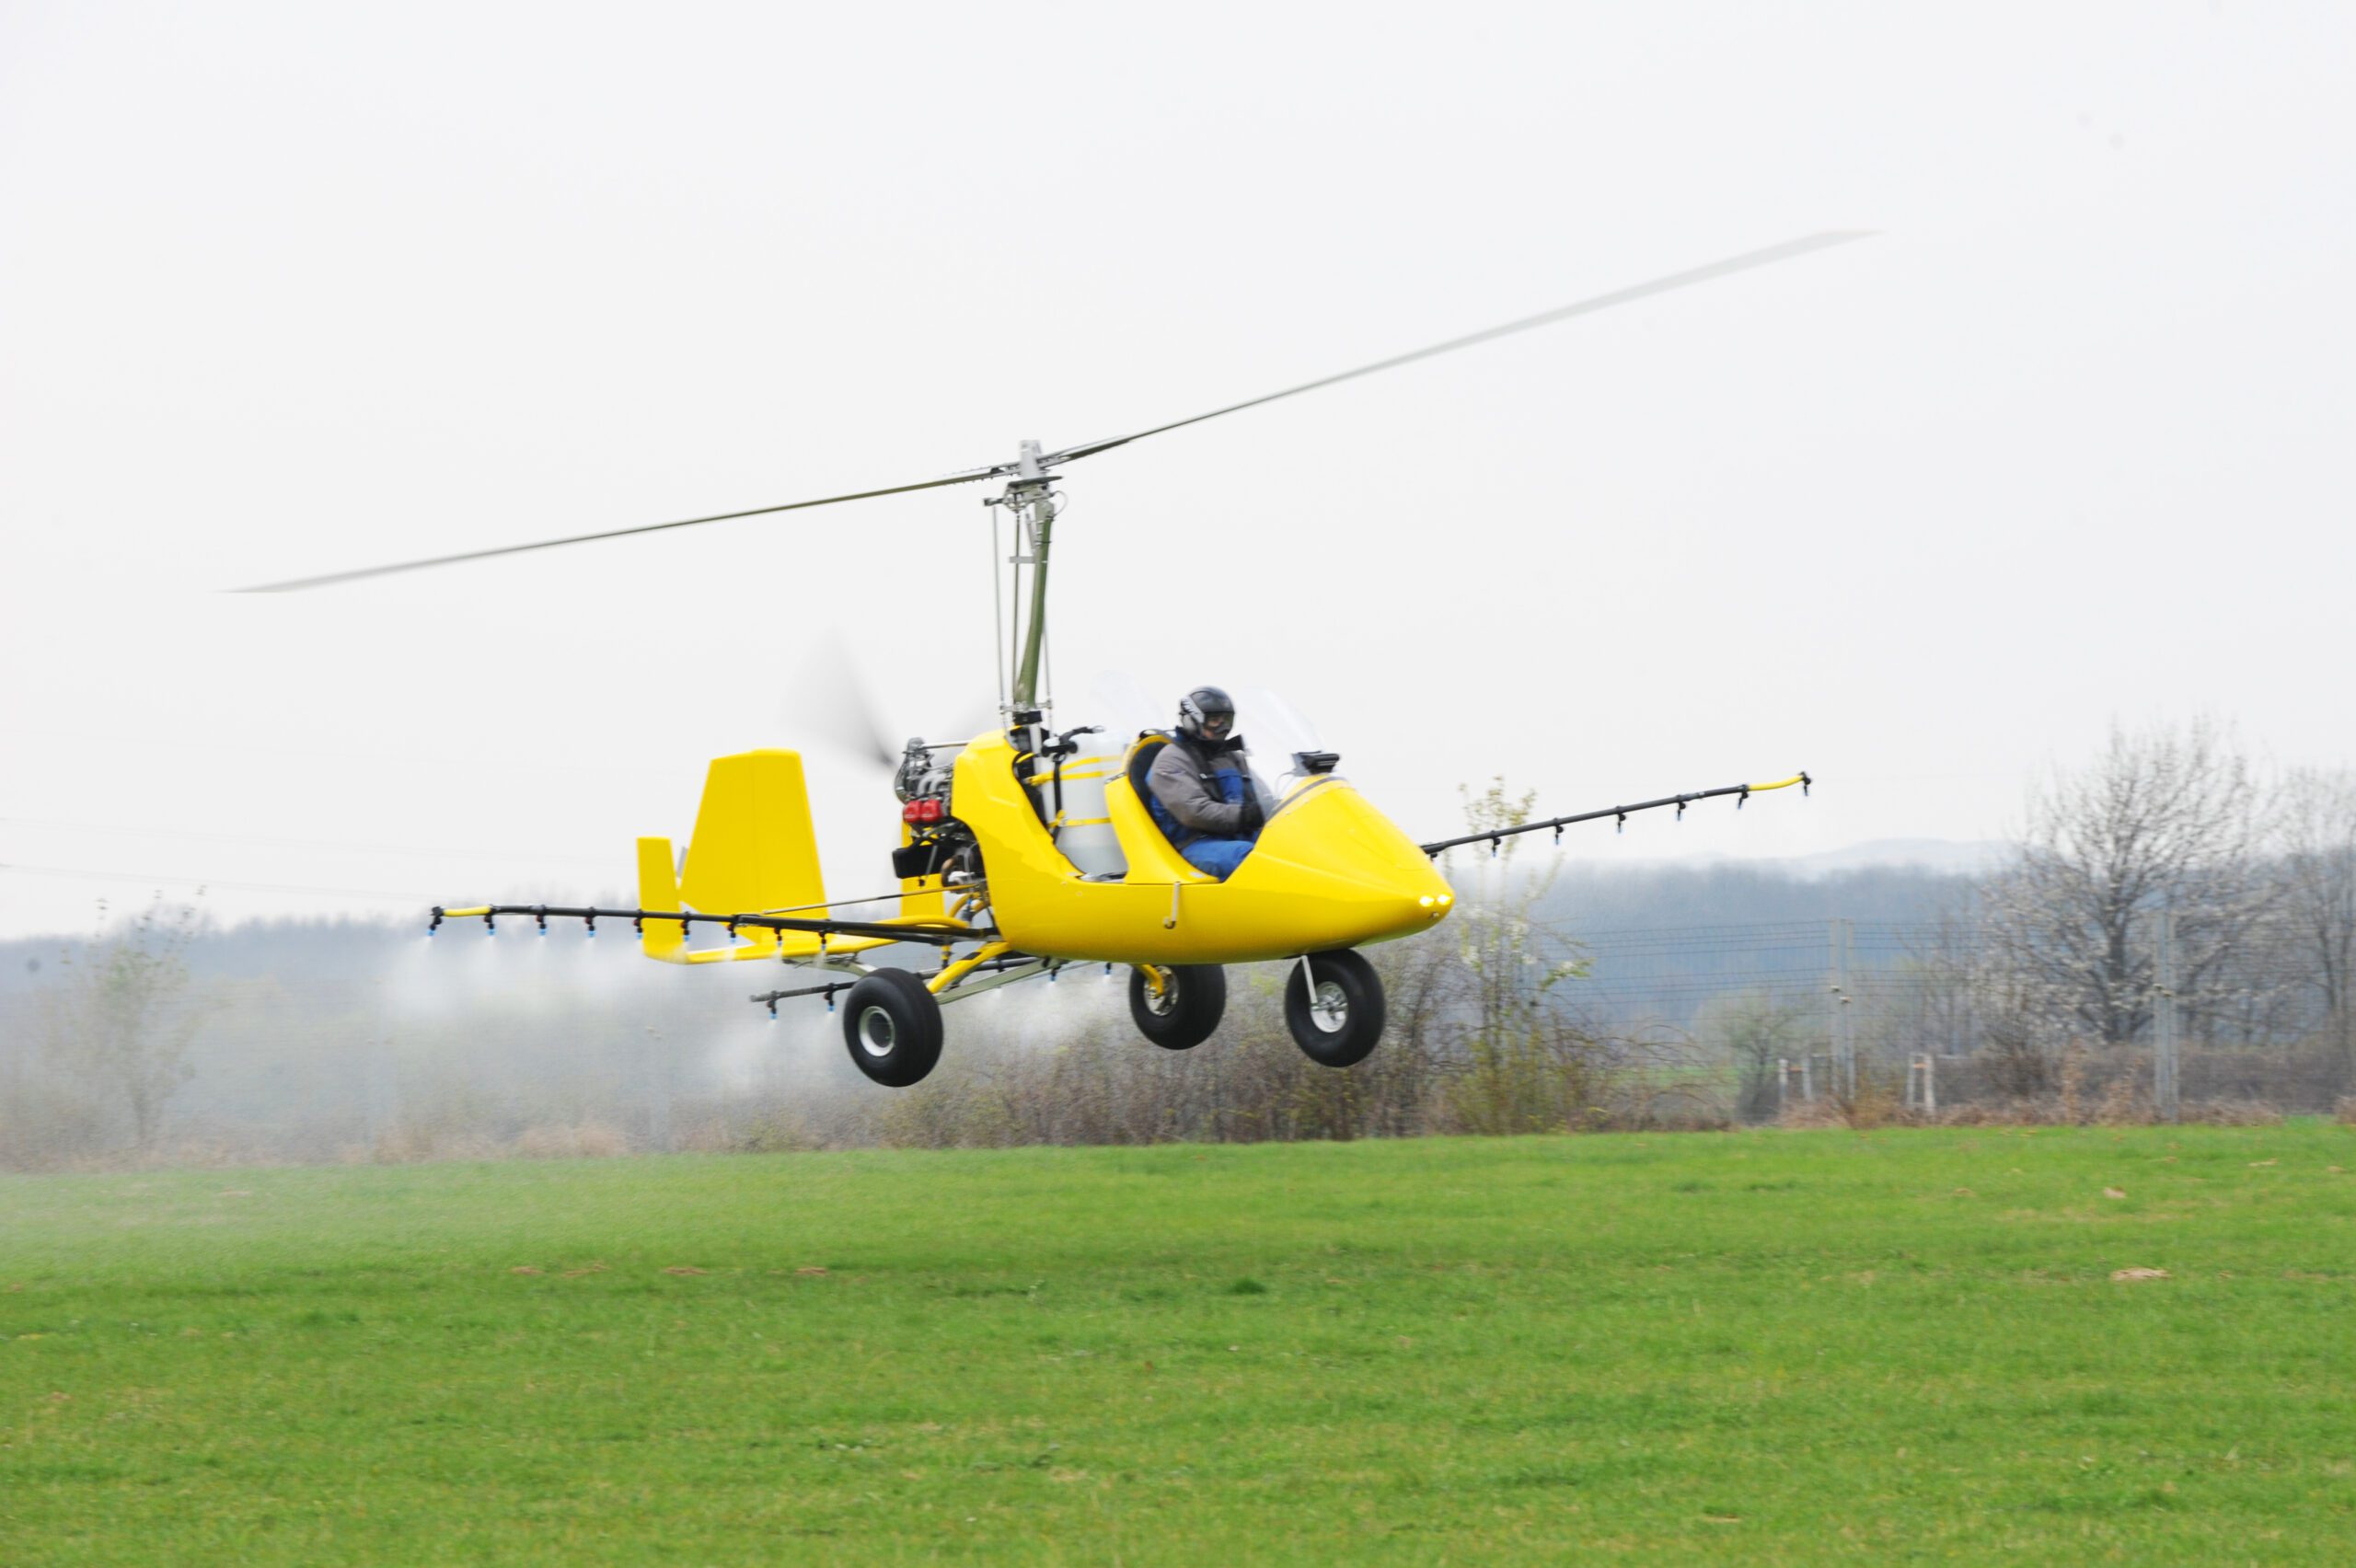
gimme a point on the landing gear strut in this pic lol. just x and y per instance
(1181, 1010)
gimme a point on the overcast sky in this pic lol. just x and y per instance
(288, 289)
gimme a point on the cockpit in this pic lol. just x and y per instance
(1282, 753)
(1070, 774)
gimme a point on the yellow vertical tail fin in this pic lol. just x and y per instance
(753, 852)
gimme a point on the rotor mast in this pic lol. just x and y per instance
(1029, 494)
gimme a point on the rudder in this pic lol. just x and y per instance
(753, 848)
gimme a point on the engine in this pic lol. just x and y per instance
(939, 845)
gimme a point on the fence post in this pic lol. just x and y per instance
(1808, 1077)
(1783, 1078)
(2166, 1048)
(1848, 1017)
(1926, 1098)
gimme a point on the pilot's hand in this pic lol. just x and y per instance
(1254, 818)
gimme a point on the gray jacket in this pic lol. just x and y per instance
(1189, 788)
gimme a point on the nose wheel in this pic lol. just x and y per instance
(1333, 1007)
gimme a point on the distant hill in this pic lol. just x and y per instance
(1968, 858)
(1944, 856)
(1719, 891)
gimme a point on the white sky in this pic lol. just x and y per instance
(288, 289)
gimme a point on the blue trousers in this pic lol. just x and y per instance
(1218, 856)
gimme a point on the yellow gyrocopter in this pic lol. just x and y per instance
(1031, 849)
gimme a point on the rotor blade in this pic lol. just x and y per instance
(334, 577)
(1774, 253)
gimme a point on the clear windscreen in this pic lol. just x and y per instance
(1275, 733)
(1278, 736)
(1125, 708)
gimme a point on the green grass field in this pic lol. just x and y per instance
(1779, 1347)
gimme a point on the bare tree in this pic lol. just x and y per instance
(2165, 819)
(1942, 958)
(121, 1017)
(1754, 1028)
(2317, 910)
(1518, 1062)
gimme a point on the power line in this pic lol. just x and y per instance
(91, 876)
(309, 843)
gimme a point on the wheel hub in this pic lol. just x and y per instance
(1329, 1006)
(1164, 1002)
(876, 1033)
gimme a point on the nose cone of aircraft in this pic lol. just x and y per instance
(1357, 877)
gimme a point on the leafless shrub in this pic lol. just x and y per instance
(50, 1123)
(2125, 1103)
(2073, 1083)
(2234, 1113)
(1981, 1114)
(222, 1152)
(417, 1143)
(2122, 1108)
(1664, 1108)
(1812, 1113)
(765, 1129)
(586, 1140)
(1876, 1100)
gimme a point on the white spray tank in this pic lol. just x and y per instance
(1082, 826)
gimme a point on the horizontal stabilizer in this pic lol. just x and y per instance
(658, 890)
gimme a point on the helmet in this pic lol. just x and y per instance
(1205, 713)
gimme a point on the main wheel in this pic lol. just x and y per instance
(1185, 1010)
(1336, 1011)
(893, 1027)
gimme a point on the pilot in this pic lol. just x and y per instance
(1202, 796)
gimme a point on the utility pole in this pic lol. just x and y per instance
(2166, 1048)
(1844, 1056)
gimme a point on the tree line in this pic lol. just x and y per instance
(2037, 986)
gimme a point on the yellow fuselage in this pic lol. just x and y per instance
(1328, 871)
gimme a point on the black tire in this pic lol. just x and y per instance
(1348, 1017)
(1193, 998)
(892, 1026)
